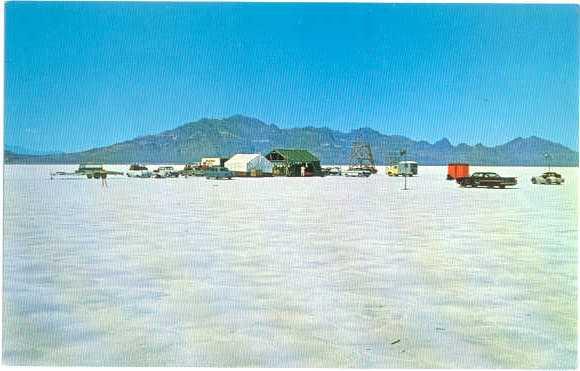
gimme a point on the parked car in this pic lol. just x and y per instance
(403, 168)
(370, 169)
(486, 179)
(361, 173)
(332, 171)
(549, 177)
(392, 170)
(138, 171)
(165, 172)
(218, 172)
(193, 169)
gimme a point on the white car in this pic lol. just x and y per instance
(549, 177)
(138, 171)
(360, 173)
(165, 172)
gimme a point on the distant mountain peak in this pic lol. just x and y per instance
(243, 118)
(29, 151)
(516, 140)
(443, 143)
(532, 142)
(364, 131)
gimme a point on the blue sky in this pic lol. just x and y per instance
(80, 75)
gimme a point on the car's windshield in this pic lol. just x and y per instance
(491, 175)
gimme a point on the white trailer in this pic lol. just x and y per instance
(408, 168)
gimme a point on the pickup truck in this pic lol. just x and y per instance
(488, 180)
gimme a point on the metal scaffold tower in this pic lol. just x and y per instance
(361, 156)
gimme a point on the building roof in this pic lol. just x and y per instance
(296, 155)
(244, 157)
(245, 162)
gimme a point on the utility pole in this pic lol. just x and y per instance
(403, 152)
(547, 157)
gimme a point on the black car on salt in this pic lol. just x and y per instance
(487, 179)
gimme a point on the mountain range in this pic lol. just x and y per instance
(241, 134)
(30, 151)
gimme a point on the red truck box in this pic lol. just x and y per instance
(457, 171)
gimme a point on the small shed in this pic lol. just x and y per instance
(213, 161)
(294, 162)
(253, 164)
(457, 171)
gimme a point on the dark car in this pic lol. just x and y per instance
(193, 170)
(489, 180)
(218, 172)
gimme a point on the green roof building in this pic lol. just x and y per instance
(294, 162)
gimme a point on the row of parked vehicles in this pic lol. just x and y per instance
(492, 180)
(140, 171)
(210, 172)
(353, 171)
(402, 168)
(457, 172)
(460, 173)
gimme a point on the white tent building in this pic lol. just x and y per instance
(249, 164)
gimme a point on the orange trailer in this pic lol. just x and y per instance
(457, 171)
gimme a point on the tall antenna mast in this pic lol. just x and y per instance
(361, 156)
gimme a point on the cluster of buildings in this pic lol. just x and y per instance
(278, 162)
